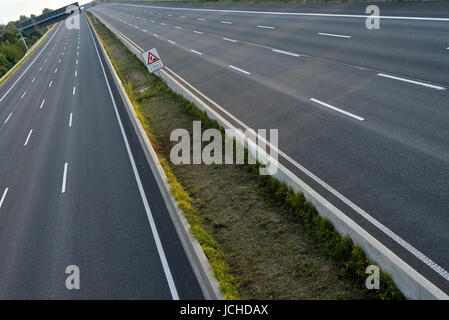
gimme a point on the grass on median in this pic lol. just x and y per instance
(263, 241)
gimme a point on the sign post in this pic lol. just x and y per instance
(152, 60)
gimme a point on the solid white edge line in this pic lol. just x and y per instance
(333, 35)
(291, 13)
(404, 244)
(155, 233)
(28, 138)
(337, 109)
(412, 81)
(238, 69)
(3, 197)
(286, 52)
(64, 178)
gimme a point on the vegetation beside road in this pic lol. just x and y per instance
(12, 48)
(263, 241)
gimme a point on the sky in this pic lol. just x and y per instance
(12, 9)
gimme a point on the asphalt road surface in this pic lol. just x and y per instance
(362, 114)
(73, 189)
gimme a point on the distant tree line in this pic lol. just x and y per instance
(12, 48)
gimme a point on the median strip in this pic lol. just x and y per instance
(262, 240)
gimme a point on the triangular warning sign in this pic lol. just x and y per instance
(152, 58)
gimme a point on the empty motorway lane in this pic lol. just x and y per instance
(362, 114)
(75, 188)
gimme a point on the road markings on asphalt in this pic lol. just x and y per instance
(164, 24)
(42, 104)
(3, 197)
(7, 119)
(59, 61)
(197, 32)
(297, 13)
(265, 27)
(70, 120)
(40, 68)
(194, 51)
(176, 27)
(76, 61)
(158, 242)
(238, 69)
(412, 81)
(230, 40)
(172, 42)
(182, 17)
(64, 178)
(51, 82)
(74, 90)
(156, 35)
(23, 95)
(333, 35)
(337, 109)
(423, 258)
(56, 70)
(286, 52)
(33, 79)
(76, 73)
(226, 22)
(28, 138)
(200, 19)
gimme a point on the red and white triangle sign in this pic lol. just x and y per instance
(152, 58)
